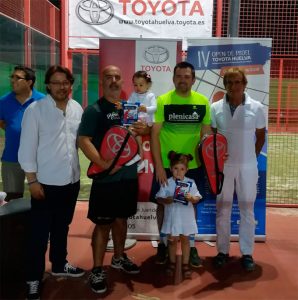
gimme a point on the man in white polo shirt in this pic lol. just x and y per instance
(242, 121)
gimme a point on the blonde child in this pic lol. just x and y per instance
(179, 219)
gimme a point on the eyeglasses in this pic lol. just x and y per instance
(60, 83)
(16, 77)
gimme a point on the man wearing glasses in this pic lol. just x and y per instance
(12, 107)
(48, 154)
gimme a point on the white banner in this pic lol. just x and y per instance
(157, 58)
(91, 19)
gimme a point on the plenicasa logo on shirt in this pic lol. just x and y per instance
(184, 113)
(183, 117)
(113, 116)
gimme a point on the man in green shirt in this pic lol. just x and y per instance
(181, 119)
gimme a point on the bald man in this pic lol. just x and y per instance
(113, 199)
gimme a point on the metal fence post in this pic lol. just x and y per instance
(233, 21)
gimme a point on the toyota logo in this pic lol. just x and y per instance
(220, 149)
(95, 12)
(114, 143)
(156, 54)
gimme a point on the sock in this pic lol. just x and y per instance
(192, 240)
(163, 238)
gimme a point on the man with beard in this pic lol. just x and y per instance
(181, 119)
(48, 154)
(113, 198)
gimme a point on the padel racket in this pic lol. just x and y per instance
(118, 145)
(211, 152)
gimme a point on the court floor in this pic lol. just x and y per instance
(275, 277)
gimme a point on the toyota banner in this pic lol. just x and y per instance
(90, 20)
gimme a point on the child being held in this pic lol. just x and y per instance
(147, 107)
(179, 219)
(142, 83)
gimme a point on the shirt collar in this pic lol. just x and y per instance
(244, 99)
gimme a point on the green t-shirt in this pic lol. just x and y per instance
(182, 119)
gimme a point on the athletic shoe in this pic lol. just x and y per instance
(97, 280)
(162, 254)
(69, 271)
(125, 264)
(248, 263)
(194, 259)
(220, 260)
(33, 290)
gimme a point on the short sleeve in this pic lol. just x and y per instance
(89, 122)
(159, 114)
(207, 117)
(261, 118)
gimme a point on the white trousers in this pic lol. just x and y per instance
(243, 179)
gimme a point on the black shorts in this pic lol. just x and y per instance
(111, 200)
(197, 175)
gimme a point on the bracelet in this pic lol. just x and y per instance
(31, 182)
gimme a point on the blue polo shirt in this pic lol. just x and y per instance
(11, 112)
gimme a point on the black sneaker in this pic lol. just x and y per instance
(69, 271)
(125, 264)
(220, 259)
(33, 290)
(194, 259)
(162, 254)
(248, 263)
(97, 280)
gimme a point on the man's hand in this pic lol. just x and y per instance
(141, 128)
(36, 191)
(106, 165)
(118, 105)
(161, 176)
